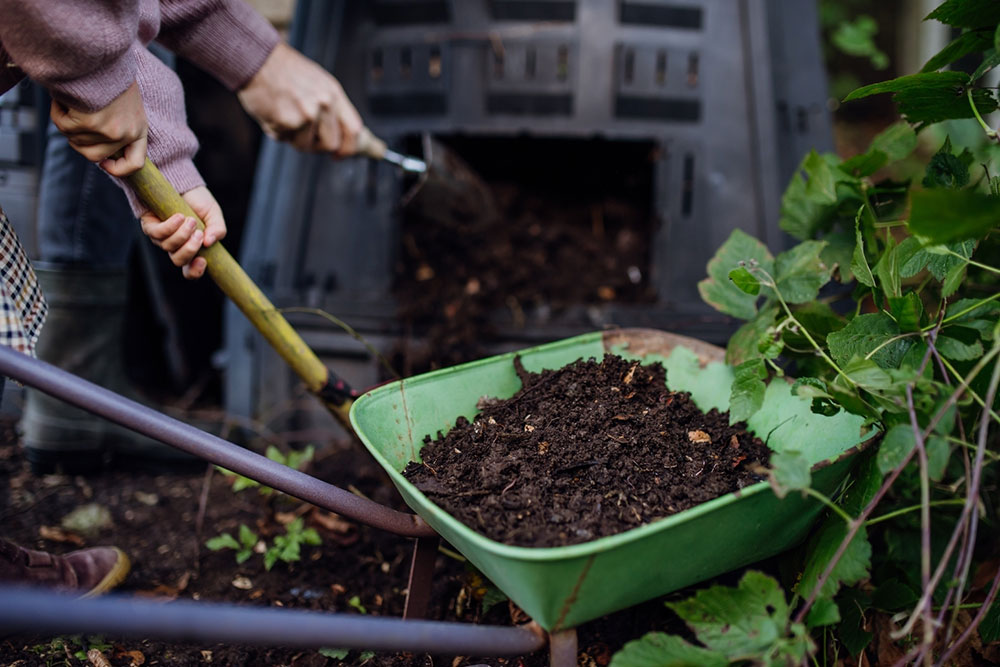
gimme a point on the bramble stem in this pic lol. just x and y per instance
(906, 510)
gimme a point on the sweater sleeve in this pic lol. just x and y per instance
(80, 51)
(226, 38)
(172, 144)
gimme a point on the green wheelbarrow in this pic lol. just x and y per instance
(562, 587)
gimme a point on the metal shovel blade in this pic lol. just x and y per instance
(449, 192)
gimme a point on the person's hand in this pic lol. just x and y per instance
(101, 134)
(180, 237)
(297, 101)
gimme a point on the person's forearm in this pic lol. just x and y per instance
(226, 38)
(79, 50)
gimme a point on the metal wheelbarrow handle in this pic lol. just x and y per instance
(159, 195)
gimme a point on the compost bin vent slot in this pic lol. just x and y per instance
(666, 16)
(533, 10)
(658, 108)
(540, 104)
(687, 192)
(411, 12)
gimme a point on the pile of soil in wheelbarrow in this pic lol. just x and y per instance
(585, 451)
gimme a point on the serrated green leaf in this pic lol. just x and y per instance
(859, 263)
(335, 653)
(851, 630)
(967, 13)
(744, 280)
(887, 270)
(866, 333)
(747, 393)
(959, 344)
(789, 472)
(867, 374)
(819, 318)
(968, 310)
(912, 257)
(738, 622)
(856, 38)
(275, 454)
(223, 541)
(954, 280)
(270, 558)
(837, 254)
(938, 453)
(947, 170)
(990, 60)
(243, 555)
(942, 216)
(821, 186)
(247, 537)
(899, 441)
(657, 649)
(718, 290)
(974, 41)
(492, 597)
(850, 569)
(801, 214)
(931, 97)
(799, 272)
(742, 345)
(940, 263)
(989, 629)
(908, 310)
(824, 612)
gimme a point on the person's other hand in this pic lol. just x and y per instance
(180, 237)
(297, 101)
(100, 134)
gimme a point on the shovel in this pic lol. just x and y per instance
(162, 199)
(447, 190)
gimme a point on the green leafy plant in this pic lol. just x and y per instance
(294, 459)
(888, 306)
(288, 547)
(243, 547)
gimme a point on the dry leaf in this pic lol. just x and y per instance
(699, 437)
(331, 521)
(97, 658)
(54, 534)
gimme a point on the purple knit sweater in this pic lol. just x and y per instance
(87, 52)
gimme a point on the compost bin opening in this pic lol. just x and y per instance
(574, 234)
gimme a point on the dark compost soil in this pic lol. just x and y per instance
(561, 238)
(589, 450)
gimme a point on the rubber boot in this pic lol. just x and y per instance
(83, 334)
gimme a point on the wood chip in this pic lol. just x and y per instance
(699, 437)
(97, 659)
(54, 534)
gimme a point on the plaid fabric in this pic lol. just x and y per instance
(22, 306)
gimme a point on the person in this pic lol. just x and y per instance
(293, 99)
(116, 103)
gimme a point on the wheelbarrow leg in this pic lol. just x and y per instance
(418, 591)
(562, 648)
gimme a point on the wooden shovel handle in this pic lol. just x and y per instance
(162, 199)
(369, 145)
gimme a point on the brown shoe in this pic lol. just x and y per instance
(88, 572)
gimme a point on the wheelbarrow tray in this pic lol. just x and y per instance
(561, 587)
